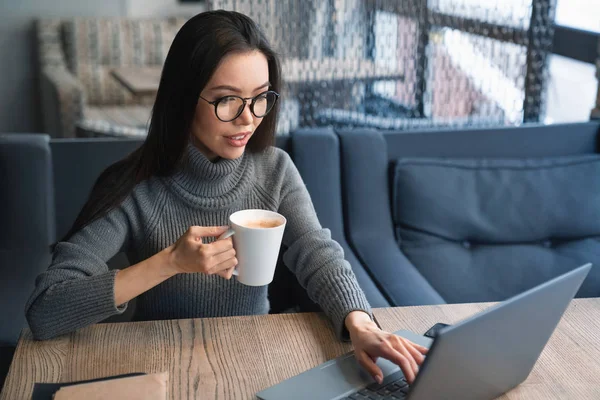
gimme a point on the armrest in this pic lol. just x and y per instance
(368, 220)
(316, 154)
(19, 269)
(62, 101)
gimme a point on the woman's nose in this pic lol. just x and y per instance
(246, 116)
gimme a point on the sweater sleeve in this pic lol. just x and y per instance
(314, 257)
(77, 289)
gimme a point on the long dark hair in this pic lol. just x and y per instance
(195, 53)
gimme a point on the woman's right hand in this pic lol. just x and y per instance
(189, 254)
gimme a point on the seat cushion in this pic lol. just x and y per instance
(120, 121)
(134, 115)
(486, 229)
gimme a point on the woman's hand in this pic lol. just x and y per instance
(370, 343)
(189, 254)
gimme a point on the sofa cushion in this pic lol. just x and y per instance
(136, 117)
(94, 46)
(486, 229)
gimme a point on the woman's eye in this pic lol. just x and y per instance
(226, 100)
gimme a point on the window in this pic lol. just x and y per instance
(572, 84)
(513, 13)
(580, 14)
(571, 89)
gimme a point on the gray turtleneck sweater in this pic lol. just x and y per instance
(78, 288)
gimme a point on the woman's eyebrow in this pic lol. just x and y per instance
(237, 90)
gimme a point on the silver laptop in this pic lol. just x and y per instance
(479, 358)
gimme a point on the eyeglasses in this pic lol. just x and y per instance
(229, 108)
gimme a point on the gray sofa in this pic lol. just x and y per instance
(472, 215)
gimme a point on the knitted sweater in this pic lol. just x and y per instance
(78, 288)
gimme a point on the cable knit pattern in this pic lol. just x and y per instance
(78, 288)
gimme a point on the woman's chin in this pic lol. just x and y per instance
(232, 153)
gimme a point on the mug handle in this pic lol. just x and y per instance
(228, 233)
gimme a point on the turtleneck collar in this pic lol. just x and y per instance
(199, 178)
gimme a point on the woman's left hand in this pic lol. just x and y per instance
(370, 343)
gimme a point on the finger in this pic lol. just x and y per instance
(369, 365)
(421, 349)
(227, 274)
(221, 257)
(209, 250)
(414, 352)
(402, 361)
(219, 246)
(206, 231)
(225, 265)
(404, 349)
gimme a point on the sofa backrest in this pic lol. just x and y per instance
(94, 46)
(27, 225)
(77, 163)
(524, 141)
(392, 180)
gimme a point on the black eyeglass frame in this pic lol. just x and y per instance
(216, 102)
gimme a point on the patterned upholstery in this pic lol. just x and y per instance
(77, 55)
(93, 46)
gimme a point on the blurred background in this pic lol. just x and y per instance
(70, 67)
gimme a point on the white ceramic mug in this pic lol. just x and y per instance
(257, 236)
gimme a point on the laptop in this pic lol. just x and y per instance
(479, 358)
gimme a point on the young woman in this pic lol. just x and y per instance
(208, 154)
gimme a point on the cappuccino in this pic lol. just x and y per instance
(262, 223)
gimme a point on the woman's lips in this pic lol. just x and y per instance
(239, 140)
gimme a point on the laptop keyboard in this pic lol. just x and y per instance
(392, 388)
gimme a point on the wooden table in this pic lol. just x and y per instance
(233, 358)
(140, 81)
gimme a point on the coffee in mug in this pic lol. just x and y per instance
(262, 223)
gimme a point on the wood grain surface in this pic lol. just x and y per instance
(235, 357)
(224, 358)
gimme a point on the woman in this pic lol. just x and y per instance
(206, 156)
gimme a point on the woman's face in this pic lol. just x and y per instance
(239, 74)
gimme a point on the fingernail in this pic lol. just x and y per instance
(379, 379)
